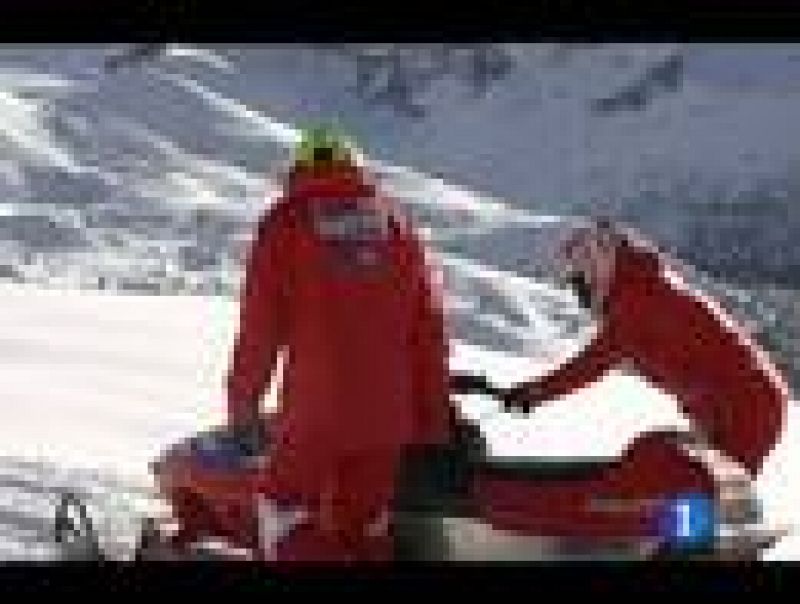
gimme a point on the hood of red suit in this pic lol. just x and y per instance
(336, 180)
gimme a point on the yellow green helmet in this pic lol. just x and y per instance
(321, 144)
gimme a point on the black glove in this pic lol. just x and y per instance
(518, 399)
(468, 383)
(251, 438)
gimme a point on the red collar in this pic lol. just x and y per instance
(329, 181)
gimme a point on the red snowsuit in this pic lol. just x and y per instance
(672, 338)
(684, 347)
(339, 284)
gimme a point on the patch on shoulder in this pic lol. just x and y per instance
(355, 234)
(350, 220)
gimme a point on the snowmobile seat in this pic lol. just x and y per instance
(541, 469)
(438, 479)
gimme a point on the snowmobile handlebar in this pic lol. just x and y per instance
(468, 383)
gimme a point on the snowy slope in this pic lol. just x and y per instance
(707, 162)
(103, 382)
(674, 164)
(133, 373)
(148, 177)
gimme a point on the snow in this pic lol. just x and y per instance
(105, 381)
(779, 487)
(214, 120)
(22, 129)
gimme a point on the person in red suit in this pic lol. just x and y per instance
(339, 284)
(678, 339)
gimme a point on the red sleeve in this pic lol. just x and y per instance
(262, 317)
(430, 351)
(586, 367)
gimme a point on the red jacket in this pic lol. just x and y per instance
(684, 346)
(340, 285)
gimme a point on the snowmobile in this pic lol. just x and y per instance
(458, 503)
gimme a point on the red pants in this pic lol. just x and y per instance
(350, 521)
